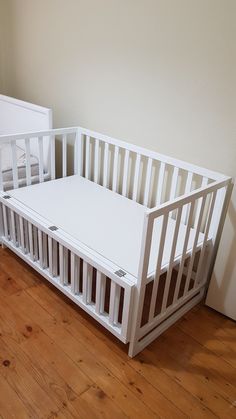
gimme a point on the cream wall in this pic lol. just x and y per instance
(160, 73)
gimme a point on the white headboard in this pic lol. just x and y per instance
(17, 116)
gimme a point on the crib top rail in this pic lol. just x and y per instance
(160, 210)
(216, 176)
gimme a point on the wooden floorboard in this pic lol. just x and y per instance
(56, 362)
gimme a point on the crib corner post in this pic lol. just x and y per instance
(219, 224)
(139, 291)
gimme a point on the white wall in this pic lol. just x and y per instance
(159, 73)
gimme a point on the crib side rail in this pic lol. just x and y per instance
(21, 149)
(184, 254)
(142, 175)
(80, 273)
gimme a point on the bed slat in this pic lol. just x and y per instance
(64, 155)
(28, 163)
(14, 165)
(136, 177)
(148, 183)
(115, 169)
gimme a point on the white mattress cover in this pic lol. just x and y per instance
(106, 222)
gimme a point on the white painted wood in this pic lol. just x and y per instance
(52, 157)
(40, 241)
(40, 143)
(171, 261)
(159, 265)
(105, 167)
(187, 190)
(191, 262)
(14, 164)
(107, 232)
(73, 273)
(160, 182)
(87, 161)
(96, 162)
(64, 155)
(13, 227)
(115, 169)
(28, 165)
(125, 173)
(136, 177)
(22, 237)
(148, 183)
(31, 245)
(100, 292)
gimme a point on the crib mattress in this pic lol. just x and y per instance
(104, 221)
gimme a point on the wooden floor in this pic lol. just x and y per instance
(55, 362)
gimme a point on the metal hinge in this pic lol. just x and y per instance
(120, 273)
(53, 228)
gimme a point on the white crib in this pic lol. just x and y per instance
(126, 233)
(19, 116)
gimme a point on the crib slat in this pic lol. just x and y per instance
(61, 264)
(112, 302)
(64, 155)
(96, 161)
(50, 257)
(14, 165)
(125, 173)
(160, 183)
(40, 241)
(40, 144)
(5, 222)
(52, 157)
(28, 162)
(203, 184)
(158, 266)
(35, 240)
(22, 236)
(31, 246)
(87, 282)
(126, 312)
(87, 158)
(100, 292)
(174, 182)
(185, 246)
(190, 267)
(206, 232)
(78, 153)
(65, 264)
(148, 182)
(171, 261)
(74, 272)
(13, 227)
(115, 169)
(54, 258)
(136, 177)
(1, 176)
(17, 230)
(187, 190)
(105, 168)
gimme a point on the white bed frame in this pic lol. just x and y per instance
(138, 309)
(17, 116)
